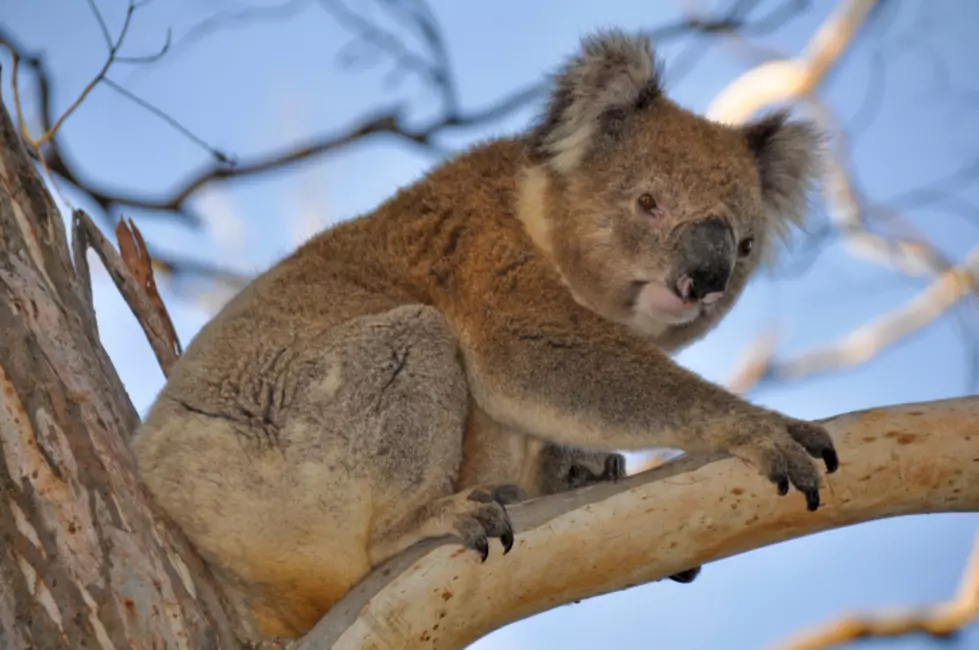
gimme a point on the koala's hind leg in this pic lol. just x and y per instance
(369, 419)
(473, 516)
(404, 395)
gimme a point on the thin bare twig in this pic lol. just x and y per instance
(102, 24)
(113, 50)
(177, 126)
(912, 256)
(737, 39)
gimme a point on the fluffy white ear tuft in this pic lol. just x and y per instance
(613, 74)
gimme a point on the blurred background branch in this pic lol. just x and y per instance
(941, 622)
(779, 80)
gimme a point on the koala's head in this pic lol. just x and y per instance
(656, 216)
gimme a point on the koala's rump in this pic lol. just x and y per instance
(287, 462)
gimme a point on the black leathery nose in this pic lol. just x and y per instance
(707, 259)
(708, 279)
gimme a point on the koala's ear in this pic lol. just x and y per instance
(789, 156)
(613, 74)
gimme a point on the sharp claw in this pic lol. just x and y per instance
(812, 499)
(507, 540)
(831, 459)
(783, 485)
(613, 468)
(481, 546)
(686, 577)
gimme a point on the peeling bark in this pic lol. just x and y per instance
(87, 559)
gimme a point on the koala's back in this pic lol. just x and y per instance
(323, 405)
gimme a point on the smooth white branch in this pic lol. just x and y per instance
(898, 460)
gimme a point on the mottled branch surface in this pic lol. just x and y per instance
(899, 460)
(86, 561)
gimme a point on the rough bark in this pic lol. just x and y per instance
(87, 560)
(899, 460)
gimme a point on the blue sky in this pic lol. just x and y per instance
(259, 87)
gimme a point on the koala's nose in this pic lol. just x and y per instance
(705, 285)
(707, 259)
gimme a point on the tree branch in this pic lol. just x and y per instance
(797, 80)
(152, 318)
(779, 81)
(899, 460)
(940, 621)
(760, 364)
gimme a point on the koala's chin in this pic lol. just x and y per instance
(664, 305)
(647, 321)
(657, 308)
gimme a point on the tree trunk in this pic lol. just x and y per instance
(88, 560)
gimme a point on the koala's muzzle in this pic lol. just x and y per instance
(706, 261)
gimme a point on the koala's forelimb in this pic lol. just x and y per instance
(607, 387)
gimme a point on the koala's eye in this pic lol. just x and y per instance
(744, 248)
(648, 203)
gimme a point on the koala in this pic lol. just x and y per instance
(398, 376)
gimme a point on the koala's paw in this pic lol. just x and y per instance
(686, 577)
(782, 454)
(580, 476)
(485, 516)
(614, 468)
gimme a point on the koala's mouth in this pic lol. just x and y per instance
(663, 304)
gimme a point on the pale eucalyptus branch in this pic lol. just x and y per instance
(898, 460)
